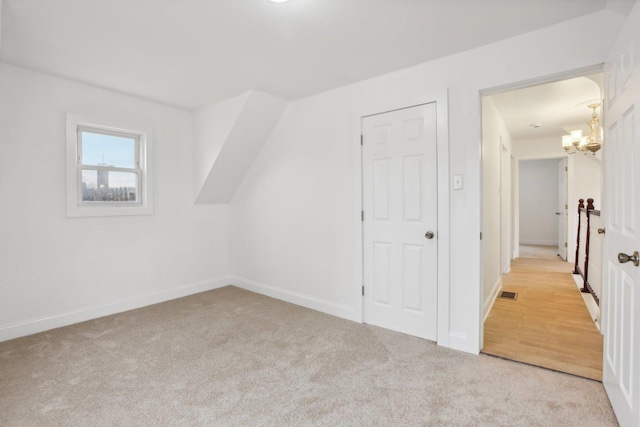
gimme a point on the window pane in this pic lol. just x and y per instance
(109, 186)
(108, 150)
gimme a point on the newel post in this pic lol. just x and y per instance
(575, 267)
(590, 207)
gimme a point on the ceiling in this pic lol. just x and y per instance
(557, 107)
(191, 53)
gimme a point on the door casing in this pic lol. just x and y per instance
(442, 123)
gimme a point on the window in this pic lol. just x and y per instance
(108, 168)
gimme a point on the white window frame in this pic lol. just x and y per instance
(76, 207)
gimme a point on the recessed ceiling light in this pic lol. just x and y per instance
(278, 1)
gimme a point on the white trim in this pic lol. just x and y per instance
(537, 156)
(444, 219)
(540, 242)
(144, 155)
(83, 314)
(488, 304)
(358, 207)
(589, 302)
(324, 306)
(0, 23)
(549, 78)
(440, 97)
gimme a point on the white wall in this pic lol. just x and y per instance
(495, 222)
(293, 219)
(213, 124)
(587, 178)
(539, 202)
(585, 181)
(538, 148)
(56, 270)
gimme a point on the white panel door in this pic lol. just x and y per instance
(621, 280)
(562, 209)
(400, 213)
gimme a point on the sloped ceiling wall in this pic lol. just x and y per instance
(229, 136)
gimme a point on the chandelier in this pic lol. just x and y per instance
(575, 142)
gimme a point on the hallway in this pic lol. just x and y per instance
(548, 324)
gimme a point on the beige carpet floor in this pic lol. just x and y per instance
(233, 358)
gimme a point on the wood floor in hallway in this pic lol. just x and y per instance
(548, 324)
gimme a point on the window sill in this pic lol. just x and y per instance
(96, 211)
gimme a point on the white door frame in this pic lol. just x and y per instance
(443, 234)
(563, 179)
(505, 209)
(515, 208)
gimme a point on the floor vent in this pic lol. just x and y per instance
(508, 295)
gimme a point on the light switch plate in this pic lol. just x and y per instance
(457, 182)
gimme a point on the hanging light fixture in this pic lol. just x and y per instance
(571, 143)
(586, 144)
(594, 140)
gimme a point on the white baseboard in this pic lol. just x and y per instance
(488, 304)
(593, 308)
(539, 242)
(33, 326)
(460, 341)
(324, 306)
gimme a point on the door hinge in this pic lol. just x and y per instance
(566, 168)
(565, 244)
(362, 290)
(362, 215)
(361, 140)
(566, 206)
(481, 235)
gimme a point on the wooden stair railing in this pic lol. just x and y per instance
(589, 211)
(576, 269)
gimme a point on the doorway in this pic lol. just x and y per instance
(542, 205)
(526, 247)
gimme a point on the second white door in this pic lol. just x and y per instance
(400, 220)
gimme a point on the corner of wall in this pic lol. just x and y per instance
(303, 300)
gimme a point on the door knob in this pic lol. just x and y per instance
(624, 258)
(600, 230)
(558, 213)
(429, 235)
